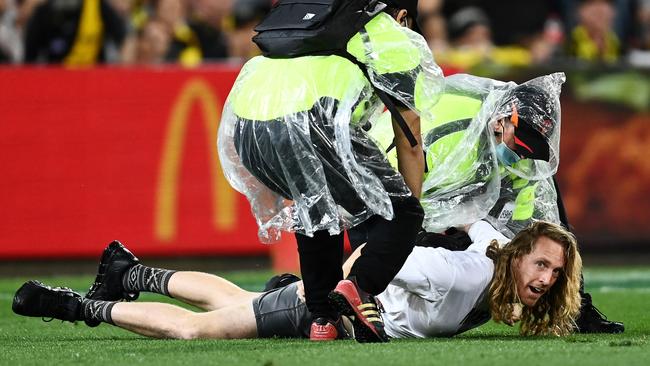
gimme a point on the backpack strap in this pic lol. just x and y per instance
(388, 102)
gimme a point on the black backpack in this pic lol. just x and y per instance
(296, 28)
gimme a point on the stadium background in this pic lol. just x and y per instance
(110, 153)
(121, 145)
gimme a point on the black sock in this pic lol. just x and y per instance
(321, 257)
(97, 310)
(143, 278)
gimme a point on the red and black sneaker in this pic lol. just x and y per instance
(362, 308)
(323, 329)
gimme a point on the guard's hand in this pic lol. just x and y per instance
(465, 227)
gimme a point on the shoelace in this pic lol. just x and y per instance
(590, 306)
(593, 307)
(93, 288)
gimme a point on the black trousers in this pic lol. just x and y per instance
(389, 244)
(565, 222)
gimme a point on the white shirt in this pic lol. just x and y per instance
(437, 288)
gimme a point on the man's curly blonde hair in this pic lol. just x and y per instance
(555, 311)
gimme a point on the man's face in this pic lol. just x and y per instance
(504, 130)
(536, 272)
(597, 16)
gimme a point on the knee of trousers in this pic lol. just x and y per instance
(409, 216)
(409, 211)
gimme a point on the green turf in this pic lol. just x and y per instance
(622, 294)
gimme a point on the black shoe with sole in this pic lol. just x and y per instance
(591, 320)
(36, 299)
(114, 263)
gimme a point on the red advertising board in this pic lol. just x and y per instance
(93, 155)
(605, 173)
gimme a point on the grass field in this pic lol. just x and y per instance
(621, 293)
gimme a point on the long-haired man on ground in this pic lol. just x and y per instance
(534, 279)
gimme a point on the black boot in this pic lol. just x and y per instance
(591, 320)
(114, 263)
(36, 299)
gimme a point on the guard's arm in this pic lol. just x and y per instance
(410, 159)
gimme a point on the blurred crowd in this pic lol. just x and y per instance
(461, 33)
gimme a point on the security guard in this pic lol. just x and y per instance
(511, 191)
(292, 140)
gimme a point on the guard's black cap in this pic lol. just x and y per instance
(411, 6)
(534, 115)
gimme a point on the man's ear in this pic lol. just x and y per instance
(401, 16)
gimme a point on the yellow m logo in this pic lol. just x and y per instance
(223, 197)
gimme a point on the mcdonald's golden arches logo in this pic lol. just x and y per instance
(224, 208)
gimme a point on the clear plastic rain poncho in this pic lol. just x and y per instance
(521, 201)
(465, 180)
(292, 135)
